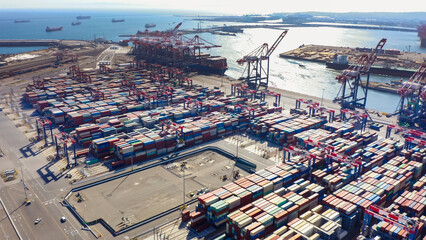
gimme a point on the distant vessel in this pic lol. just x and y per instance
(117, 20)
(397, 72)
(422, 34)
(150, 25)
(21, 21)
(83, 17)
(75, 23)
(49, 29)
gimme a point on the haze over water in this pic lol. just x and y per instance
(285, 73)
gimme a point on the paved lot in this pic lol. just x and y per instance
(142, 195)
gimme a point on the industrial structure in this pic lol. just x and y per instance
(412, 106)
(172, 49)
(353, 92)
(257, 65)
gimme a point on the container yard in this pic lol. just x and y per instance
(306, 172)
(144, 145)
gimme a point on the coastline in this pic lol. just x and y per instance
(288, 98)
(224, 82)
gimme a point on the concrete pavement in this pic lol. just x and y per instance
(44, 195)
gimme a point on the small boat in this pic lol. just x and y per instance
(49, 29)
(21, 21)
(301, 65)
(150, 25)
(83, 17)
(76, 23)
(117, 20)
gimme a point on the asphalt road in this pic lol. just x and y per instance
(44, 194)
(6, 228)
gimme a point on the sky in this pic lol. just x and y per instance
(228, 6)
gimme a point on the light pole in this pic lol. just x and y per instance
(84, 213)
(238, 135)
(23, 182)
(182, 168)
(133, 154)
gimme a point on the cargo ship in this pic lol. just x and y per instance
(76, 23)
(150, 25)
(117, 20)
(83, 17)
(49, 29)
(21, 21)
(422, 34)
(340, 62)
(397, 72)
(211, 64)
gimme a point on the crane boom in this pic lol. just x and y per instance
(415, 80)
(363, 64)
(276, 43)
(374, 54)
(176, 28)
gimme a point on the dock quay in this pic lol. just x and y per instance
(42, 43)
(390, 62)
(43, 59)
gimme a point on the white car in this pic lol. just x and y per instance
(37, 220)
(63, 219)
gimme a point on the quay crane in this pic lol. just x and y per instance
(351, 80)
(257, 77)
(414, 91)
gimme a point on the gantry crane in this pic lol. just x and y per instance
(62, 55)
(291, 150)
(397, 220)
(78, 75)
(243, 108)
(351, 80)
(257, 74)
(414, 91)
(331, 156)
(169, 125)
(41, 125)
(66, 140)
(193, 104)
(360, 117)
(412, 137)
(314, 107)
(38, 82)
